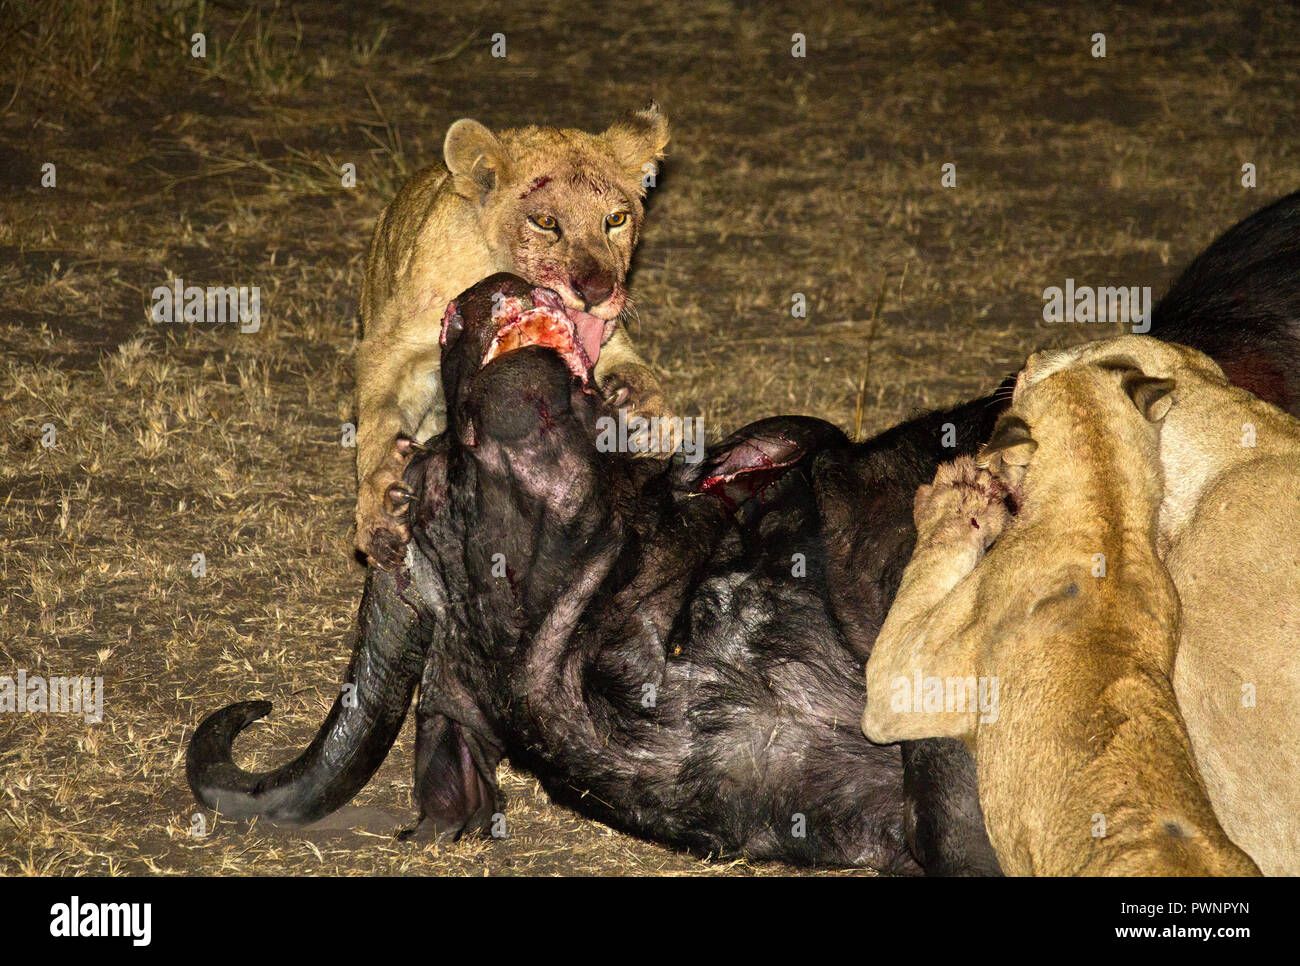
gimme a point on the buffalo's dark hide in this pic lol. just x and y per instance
(656, 641)
(678, 650)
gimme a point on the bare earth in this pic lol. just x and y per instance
(817, 175)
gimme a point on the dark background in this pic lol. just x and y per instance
(818, 175)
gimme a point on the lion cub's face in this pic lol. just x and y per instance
(562, 208)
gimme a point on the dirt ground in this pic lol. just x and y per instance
(818, 175)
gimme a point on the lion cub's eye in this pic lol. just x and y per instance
(617, 220)
(544, 222)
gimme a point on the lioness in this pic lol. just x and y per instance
(563, 209)
(1052, 655)
(1230, 536)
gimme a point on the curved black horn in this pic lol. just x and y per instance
(353, 741)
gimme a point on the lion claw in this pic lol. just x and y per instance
(397, 498)
(616, 395)
(382, 505)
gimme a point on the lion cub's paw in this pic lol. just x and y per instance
(964, 502)
(382, 502)
(635, 389)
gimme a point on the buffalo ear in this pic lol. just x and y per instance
(455, 779)
(1150, 395)
(1009, 449)
(473, 152)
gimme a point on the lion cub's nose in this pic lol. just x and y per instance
(593, 289)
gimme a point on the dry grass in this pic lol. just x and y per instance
(818, 176)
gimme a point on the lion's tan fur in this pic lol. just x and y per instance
(1084, 764)
(1230, 536)
(454, 225)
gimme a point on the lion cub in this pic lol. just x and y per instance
(1230, 536)
(1051, 655)
(562, 209)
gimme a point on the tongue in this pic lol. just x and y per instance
(590, 330)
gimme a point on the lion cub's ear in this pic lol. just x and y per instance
(638, 140)
(472, 151)
(1150, 395)
(1009, 449)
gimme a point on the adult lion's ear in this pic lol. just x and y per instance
(472, 151)
(1150, 395)
(1011, 443)
(1007, 453)
(638, 140)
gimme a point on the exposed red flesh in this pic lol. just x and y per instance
(541, 327)
(576, 336)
